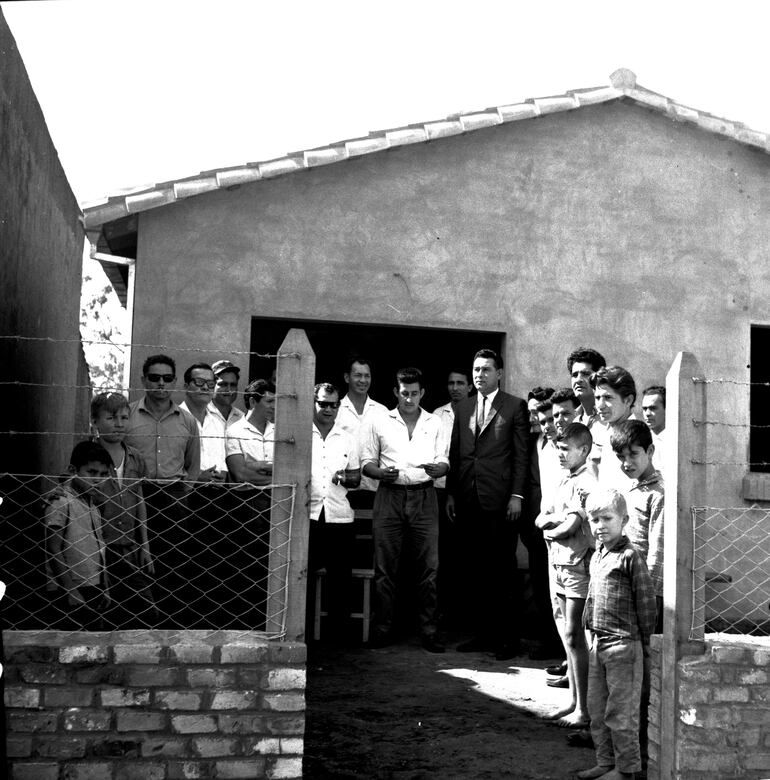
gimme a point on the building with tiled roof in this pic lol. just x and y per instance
(610, 216)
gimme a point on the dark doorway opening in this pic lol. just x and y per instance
(759, 436)
(435, 351)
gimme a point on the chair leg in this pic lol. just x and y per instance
(317, 616)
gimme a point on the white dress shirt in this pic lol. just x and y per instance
(386, 443)
(337, 452)
(212, 434)
(446, 414)
(348, 419)
(242, 438)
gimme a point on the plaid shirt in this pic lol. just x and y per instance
(621, 597)
(645, 526)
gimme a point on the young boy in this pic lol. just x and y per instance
(74, 541)
(632, 442)
(124, 518)
(620, 616)
(570, 544)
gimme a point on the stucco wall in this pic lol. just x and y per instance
(41, 248)
(610, 226)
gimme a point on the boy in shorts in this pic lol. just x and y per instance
(75, 544)
(620, 616)
(570, 544)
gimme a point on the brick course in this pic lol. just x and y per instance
(724, 712)
(167, 706)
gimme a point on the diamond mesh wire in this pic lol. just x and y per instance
(731, 563)
(144, 555)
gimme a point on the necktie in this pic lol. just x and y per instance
(482, 415)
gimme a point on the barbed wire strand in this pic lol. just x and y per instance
(721, 381)
(131, 436)
(112, 388)
(697, 423)
(217, 350)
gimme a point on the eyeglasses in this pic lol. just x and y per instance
(167, 378)
(328, 404)
(209, 383)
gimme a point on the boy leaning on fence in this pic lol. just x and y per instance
(124, 518)
(75, 542)
(620, 616)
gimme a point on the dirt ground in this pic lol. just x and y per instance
(401, 713)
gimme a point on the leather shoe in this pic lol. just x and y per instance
(558, 682)
(507, 651)
(431, 644)
(475, 645)
(557, 670)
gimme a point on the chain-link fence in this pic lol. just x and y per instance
(139, 554)
(731, 561)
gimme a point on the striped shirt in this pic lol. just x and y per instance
(621, 597)
(645, 525)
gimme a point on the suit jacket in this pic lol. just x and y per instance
(495, 464)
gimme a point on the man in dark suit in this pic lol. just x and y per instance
(486, 484)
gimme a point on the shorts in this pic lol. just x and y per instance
(572, 581)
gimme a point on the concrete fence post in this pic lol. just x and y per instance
(287, 581)
(685, 481)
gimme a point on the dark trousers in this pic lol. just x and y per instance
(405, 518)
(167, 515)
(450, 570)
(492, 577)
(331, 548)
(132, 603)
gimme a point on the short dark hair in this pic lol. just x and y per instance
(564, 395)
(540, 393)
(462, 371)
(631, 433)
(327, 387)
(617, 378)
(163, 359)
(190, 369)
(578, 433)
(107, 402)
(491, 354)
(585, 355)
(362, 359)
(656, 390)
(544, 406)
(408, 376)
(85, 452)
(257, 389)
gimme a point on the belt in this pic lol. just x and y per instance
(416, 486)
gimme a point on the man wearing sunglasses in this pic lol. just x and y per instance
(168, 439)
(335, 469)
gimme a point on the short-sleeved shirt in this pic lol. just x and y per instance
(551, 472)
(337, 452)
(212, 435)
(446, 414)
(83, 544)
(611, 474)
(348, 419)
(170, 445)
(658, 457)
(243, 438)
(386, 443)
(572, 549)
(645, 501)
(621, 597)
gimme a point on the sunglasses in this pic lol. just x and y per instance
(328, 404)
(210, 383)
(167, 378)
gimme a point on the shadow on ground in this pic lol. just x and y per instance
(401, 713)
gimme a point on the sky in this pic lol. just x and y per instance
(142, 92)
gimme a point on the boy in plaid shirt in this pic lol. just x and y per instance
(620, 616)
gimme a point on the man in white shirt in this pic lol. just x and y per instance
(654, 412)
(406, 449)
(449, 591)
(249, 457)
(335, 468)
(356, 410)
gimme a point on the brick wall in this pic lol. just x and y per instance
(153, 705)
(724, 710)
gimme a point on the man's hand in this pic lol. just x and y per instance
(435, 470)
(450, 507)
(210, 475)
(389, 474)
(74, 599)
(513, 511)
